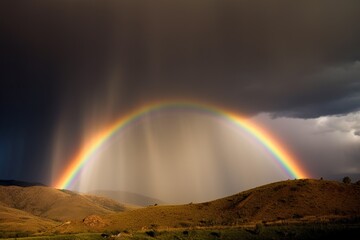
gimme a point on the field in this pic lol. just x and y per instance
(303, 232)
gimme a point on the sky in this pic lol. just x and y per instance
(69, 68)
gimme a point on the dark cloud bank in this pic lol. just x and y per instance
(299, 59)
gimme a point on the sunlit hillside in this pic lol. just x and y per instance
(47, 210)
(54, 204)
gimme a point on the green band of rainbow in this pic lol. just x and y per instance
(282, 156)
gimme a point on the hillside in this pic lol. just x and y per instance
(289, 201)
(44, 209)
(109, 203)
(128, 197)
(54, 204)
(12, 219)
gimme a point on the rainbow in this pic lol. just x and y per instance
(286, 160)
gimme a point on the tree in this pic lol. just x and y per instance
(346, 180)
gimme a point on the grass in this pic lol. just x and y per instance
(80, 236)
(301, 232)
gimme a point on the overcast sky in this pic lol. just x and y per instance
(68, 68)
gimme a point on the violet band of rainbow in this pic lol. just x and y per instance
(278, 150)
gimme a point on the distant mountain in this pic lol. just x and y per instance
(128, 197)
(18, 183)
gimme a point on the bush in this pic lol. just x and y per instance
(105, 235)
(151, 233)
(215, 234)
(346, 180)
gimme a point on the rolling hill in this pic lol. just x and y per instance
(12, 219)
(287, 201)
(40, 208)
(292, 201)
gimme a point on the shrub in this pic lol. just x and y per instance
(215, 234)
(346, 180)
(151, 233)
(105, 235)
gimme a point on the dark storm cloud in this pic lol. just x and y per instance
(333, 90)
(274, 56)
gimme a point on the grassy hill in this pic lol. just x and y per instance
(36, 208)
(12, 220)
(109, 203)
(285, 202)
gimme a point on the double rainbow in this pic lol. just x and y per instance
(278, 150)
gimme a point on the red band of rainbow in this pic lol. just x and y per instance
(278, 150)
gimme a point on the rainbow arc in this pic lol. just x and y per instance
(279, 151)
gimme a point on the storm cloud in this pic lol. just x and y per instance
(298, 59)
(328, 146)
(67, 65)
